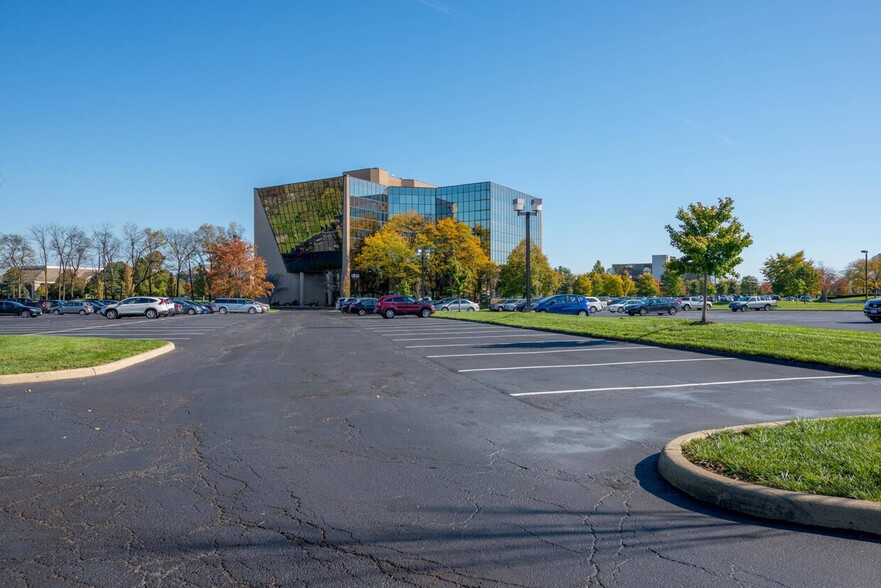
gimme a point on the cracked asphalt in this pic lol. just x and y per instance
(314, 449)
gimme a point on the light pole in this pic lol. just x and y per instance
(866, 253)
(535, 208)
(422, 253)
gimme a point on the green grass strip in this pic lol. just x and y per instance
(853, 350)
(833, 457)
(823, 306)
(22, 354)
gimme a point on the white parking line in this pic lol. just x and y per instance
(476, 337)
(699, 384)
(579, 349)
(583, 365)
(472, 344)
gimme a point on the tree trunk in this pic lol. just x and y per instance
(704, 306)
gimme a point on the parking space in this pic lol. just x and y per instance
(544, 367)
(176, 328)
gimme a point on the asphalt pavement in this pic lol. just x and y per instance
(825, 319)
(314, 448)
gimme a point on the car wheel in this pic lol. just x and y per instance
(767, 307)
(643, 311)
(56, 312)
(82, 312)
(621, 309)
(111, 314)
(743, 308)
(445, 308)
(25, 314)
(252, 310)
(425, 313)
(389, 313)
(686, 307)
(470, 309)
(671, 311)
(362, 312)
(151, 313)
(191, 311)
(222, 310)
(583, 312)
(592, 309)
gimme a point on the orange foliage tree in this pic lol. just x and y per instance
(237, 270)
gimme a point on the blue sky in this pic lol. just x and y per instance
(616, 113)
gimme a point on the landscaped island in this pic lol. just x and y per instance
(20, 354)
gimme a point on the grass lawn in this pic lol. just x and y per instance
(835, 457)
(25, 354)
(854, 350)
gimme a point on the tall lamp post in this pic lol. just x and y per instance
(422, 253)
(535, 208)
(866, 253)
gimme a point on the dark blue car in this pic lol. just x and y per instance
(564, 304)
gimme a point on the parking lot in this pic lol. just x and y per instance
(552, 369)
(177, 329)
(848, 320)
(316, 448)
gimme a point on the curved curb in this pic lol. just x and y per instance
(831, 512)
(87, 371)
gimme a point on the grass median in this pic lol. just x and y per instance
(833, 457)
(848, 349)
(24, 354)
(824, 306)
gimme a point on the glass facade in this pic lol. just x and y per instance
(306, 218)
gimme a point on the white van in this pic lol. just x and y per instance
(225, 305)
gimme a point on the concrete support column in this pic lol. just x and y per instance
(345, 284)
(302, 290)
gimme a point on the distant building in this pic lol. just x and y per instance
(34, 276)
(655, 268)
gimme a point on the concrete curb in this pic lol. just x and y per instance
(87, 371)
(761, 501)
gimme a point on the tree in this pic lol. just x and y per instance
(710, 239)
(567, 280)
(647, 286)
(855, 273)
(15, 253)
(456, 255)
(598, 268)
(827, 277)
(42, 239)
(749, 286)
(583, 285)
(512, 275)
(791, 274)
(613, 285)
(180, 247)
(628, 286)
(671, 282)
(237, 270)
(389, 256)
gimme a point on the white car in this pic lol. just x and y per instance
(225, 305)
(695, 302)
(459, 304)
(618, 305)
(595, 304)
(148, 306)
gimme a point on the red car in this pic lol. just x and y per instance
(394, 304)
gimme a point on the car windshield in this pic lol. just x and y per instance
(743, 298)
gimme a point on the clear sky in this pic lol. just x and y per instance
(616, 113)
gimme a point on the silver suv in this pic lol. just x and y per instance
(148, 306)
(225, 305)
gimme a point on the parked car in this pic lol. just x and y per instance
(225, 305)
(745, 303)
(695, 302)
(566, 304)
(11, 307)
(73, 307)
(511, 304)
(496, 306)
(459, 304)
(653, 305)
(618, 304)
(148, 306)
(340, 302)
(596, 304)
(521, 306)
(391, 305)
(364, 306)
(872, 309)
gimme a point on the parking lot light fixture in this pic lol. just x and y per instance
(866, 253)
(535, 208)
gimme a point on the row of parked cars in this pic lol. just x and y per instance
(148, 306)
(401, 304)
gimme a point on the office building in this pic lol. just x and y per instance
(308, 231)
